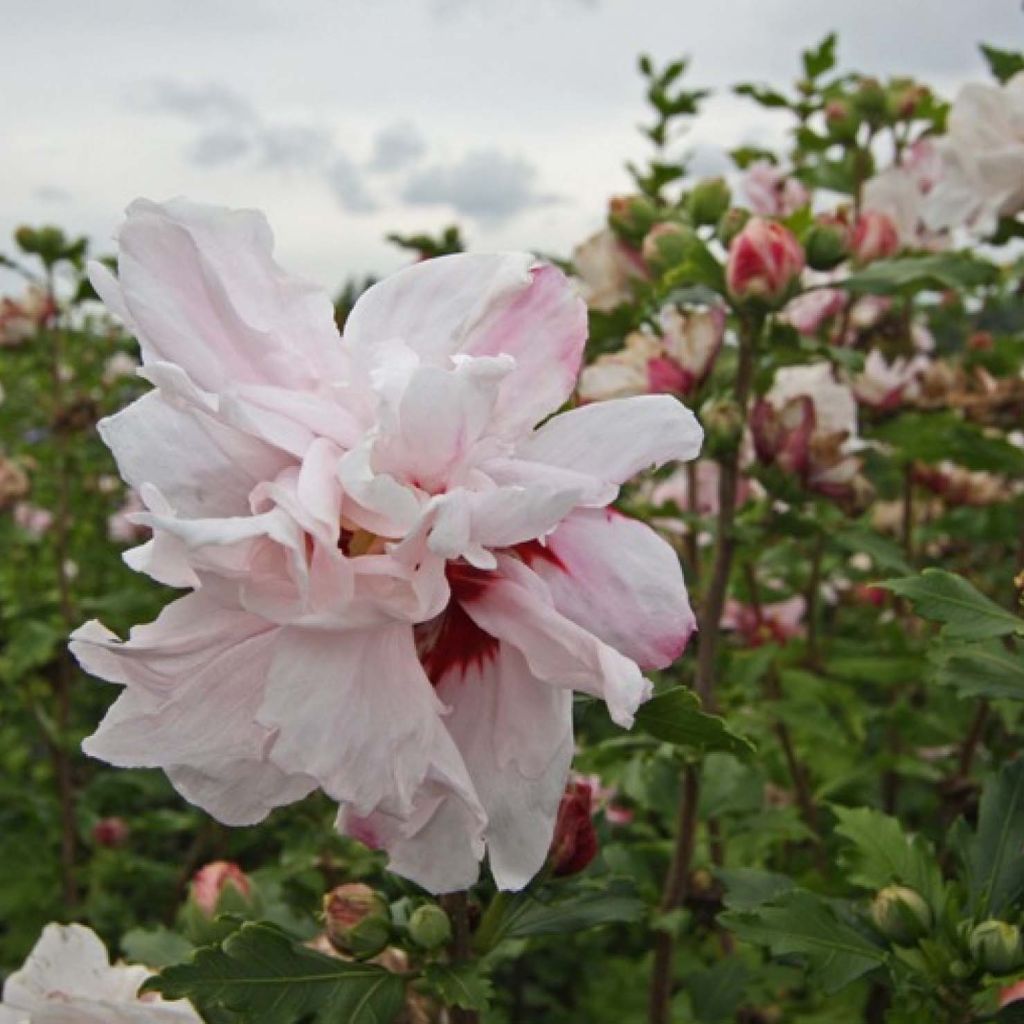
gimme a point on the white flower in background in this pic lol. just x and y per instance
(887, 385)
(606, 269)
(983, 159)
(772, 192)
(68, 979)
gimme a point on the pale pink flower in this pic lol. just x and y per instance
(900, 194)
(397, 578)
(124, 525)
(775, 622)
(692, 336)
(120, 364)
(771, 192)
(982, 155)
(68, 979)
(810, 311)
(887, 385)
(607, 269)
(35, 521)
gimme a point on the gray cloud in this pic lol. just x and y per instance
(293, 146)
(397, 147)
(208, 101)
(219, 146)
(346, 183)
(51, 194)
(486, 184)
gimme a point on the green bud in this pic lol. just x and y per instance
(730, 224)
(901, 915)
(48, 243)
(871, 100)
(357, 920)
(632, 217)
(430, 927)
(995, 946)
(708, 201)
(826, 245)
(667, 245)
(723, 426)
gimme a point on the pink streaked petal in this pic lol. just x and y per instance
(515, 606)
(618, 579)
(614, 440)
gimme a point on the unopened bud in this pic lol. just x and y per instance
(631, 217)
(110, 832)
(731, 223)
(574, 844)
(875, 237)
(904, 98)
(841, 119)
(827, 243)
(430, 927)
(996, 947)
(220, 887)
(901, 915)
(667, 245)
(764, 265)
(723, 426)
(356, 919)
(708, 201)
(871, 100)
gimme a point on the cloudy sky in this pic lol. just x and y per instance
(347, 119)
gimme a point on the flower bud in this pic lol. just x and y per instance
(901, 915)
(827, 243)
(731, 223)
(875, 237)
(723, 426)
(995, 946)
(430, 927)
(110, 832)
(1011, 993)
(666, 245)
(870, 100)
(904, 97)
(356, 919)
(220, 887)
(708, 201)
(764, 265)
(631, 217)
(574, 844)
(841, 119)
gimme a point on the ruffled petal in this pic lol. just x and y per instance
(618, 579)
(616, 439)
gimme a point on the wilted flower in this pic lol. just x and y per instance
(956, 485)
(35, 521)
(772, 192)
(21, 319)
(807, 426)
(774, 622)
(875, 237)
(607, 268)
(810, 311)
(13, 482)
(397, 580)
(765, 261)
(110, 832)
(574, 844)
(982, 159)
(68, 979)
(887, 385)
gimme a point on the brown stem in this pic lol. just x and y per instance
(907, 520)
(456, 905)
(970, 747)
(64, 674)
(691, 550)
(813, 598)
(676, 881)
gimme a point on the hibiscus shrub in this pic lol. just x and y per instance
(419, 536)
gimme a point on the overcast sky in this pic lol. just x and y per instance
(346, 119)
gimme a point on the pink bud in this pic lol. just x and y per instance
(783, 437)
(574, 844)
(210, 881)
(875, 237)
(765, 261)
(110, 832)
(1011, 993)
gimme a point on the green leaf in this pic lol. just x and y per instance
(803, 924)
(674, 716)
(986, 669)
(820, 59)
(882, 551)
(940, 436)
(1004, 64)
(156, 947)
(762, 94)
(967, 614)
(716, 992)
(995, 854)
(461, 985)
(882, 855)
(939, 272)
(747, 888)
(262, 975)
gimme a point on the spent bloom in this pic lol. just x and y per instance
(396, 579)
(761, 624)
(982, 154)
(607, 268)
(887, 385)
(574, 844)
(771, 192)
(68, 979)
(21, 319)
(764, 264)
